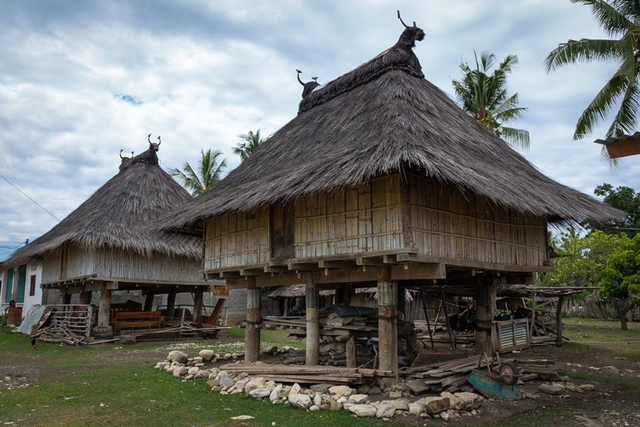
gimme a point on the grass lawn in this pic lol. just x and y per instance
(586, 334)
(116, 386)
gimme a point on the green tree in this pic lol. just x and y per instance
(209, 172)
(625, 199)
(250, 143)
(621, 21)
(583, 260)
(621, 278)
(485, 97)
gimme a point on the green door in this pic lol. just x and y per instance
(22, 283)
(7, 294)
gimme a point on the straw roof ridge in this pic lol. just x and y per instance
(381, 118)
(117, 215)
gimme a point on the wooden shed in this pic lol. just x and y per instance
(382, 179)
(104, 245)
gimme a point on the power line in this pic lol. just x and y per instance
(25, 194)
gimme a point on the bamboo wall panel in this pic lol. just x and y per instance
(51, 263)
(357, 219)
(80, 261)
(118, 263)
(237, 239)
(447, 223)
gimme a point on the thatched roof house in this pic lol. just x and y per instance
(104, 243)
(382, 178)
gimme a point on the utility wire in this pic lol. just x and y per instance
(25, 194)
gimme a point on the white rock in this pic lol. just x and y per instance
(193, 371)
(553, 389)
(300, 401)
(317, 400)
(386, 411)
(314, 408)
(207, 355)
(341, 390)
(178, 371)
(242, 418)
(358, 398)
(444, 415)
(416, 408)
(435, 404)
(259, 393)
(295, 389)
(363, 410)
(400, 404)
(255, 383)
(177, 356)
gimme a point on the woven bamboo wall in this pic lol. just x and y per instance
(363, 218)
(237, 239)
(117, 263)
(447, 223)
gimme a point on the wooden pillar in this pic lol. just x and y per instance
(388, 325)
(252, 333)
(148, 301)
(313, 325)
(198, 303)
(351, 351)
(85, 297)
(171, 304)
(559, 321)
(485, 295)
(105, 306)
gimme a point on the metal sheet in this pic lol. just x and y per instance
(34, 319)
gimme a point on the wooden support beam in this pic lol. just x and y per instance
(369, 261)
(337, 264)
(104, 307)
(171, 303)
(388, 325)
(252, 333)
(247, 272)
(559, 338)
(302, 266)
(351, 351)
(313, 325)
(148, 301)
(198, 303)
(85, 297)
(485, 296)
(274, 269)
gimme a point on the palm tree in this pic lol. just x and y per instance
(209, 173)
(485, 97)
(621, 20)
(251, 142)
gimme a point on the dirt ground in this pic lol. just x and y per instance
(615, 401)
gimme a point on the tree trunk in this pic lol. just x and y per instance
(622, 307)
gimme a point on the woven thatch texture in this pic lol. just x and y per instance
(116, 216)
(365, 128)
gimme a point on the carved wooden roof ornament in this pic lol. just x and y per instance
(402, 50)
(124, 161)
(308, 86)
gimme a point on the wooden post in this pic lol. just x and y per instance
(287, 302)
(388, 324)
(559, 321)
(252, 333)
(105, 306)
(171, 304)
(313, 325)
(14, 289)
(351, 351)
(85, 297)
(198, 302)
(485, 298)
(148, 301)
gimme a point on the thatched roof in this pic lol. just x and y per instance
(380, 118)
(117, 214)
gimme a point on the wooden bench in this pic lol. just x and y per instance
(138, 319)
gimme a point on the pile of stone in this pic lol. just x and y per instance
(389, 401)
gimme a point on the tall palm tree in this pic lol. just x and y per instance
(250, 143)
(621, 21)
(485, 97)
(209, 173)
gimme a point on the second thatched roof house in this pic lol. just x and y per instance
(104, 245)
(381, 179)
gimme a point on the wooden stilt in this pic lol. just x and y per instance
(198, 303)
(559, 321)
(171, 304)
(485, 299)
(148, 301)
(252, 333)
(313, 325)
(388, 325)
(426, 316)
(351, 351)
(104, 307)
(85, 297)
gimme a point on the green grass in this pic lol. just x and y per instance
(601, 378)
(94, 386)
(607, 335)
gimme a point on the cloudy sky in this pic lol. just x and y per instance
(81, 80)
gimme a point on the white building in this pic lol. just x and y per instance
(21, 284)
